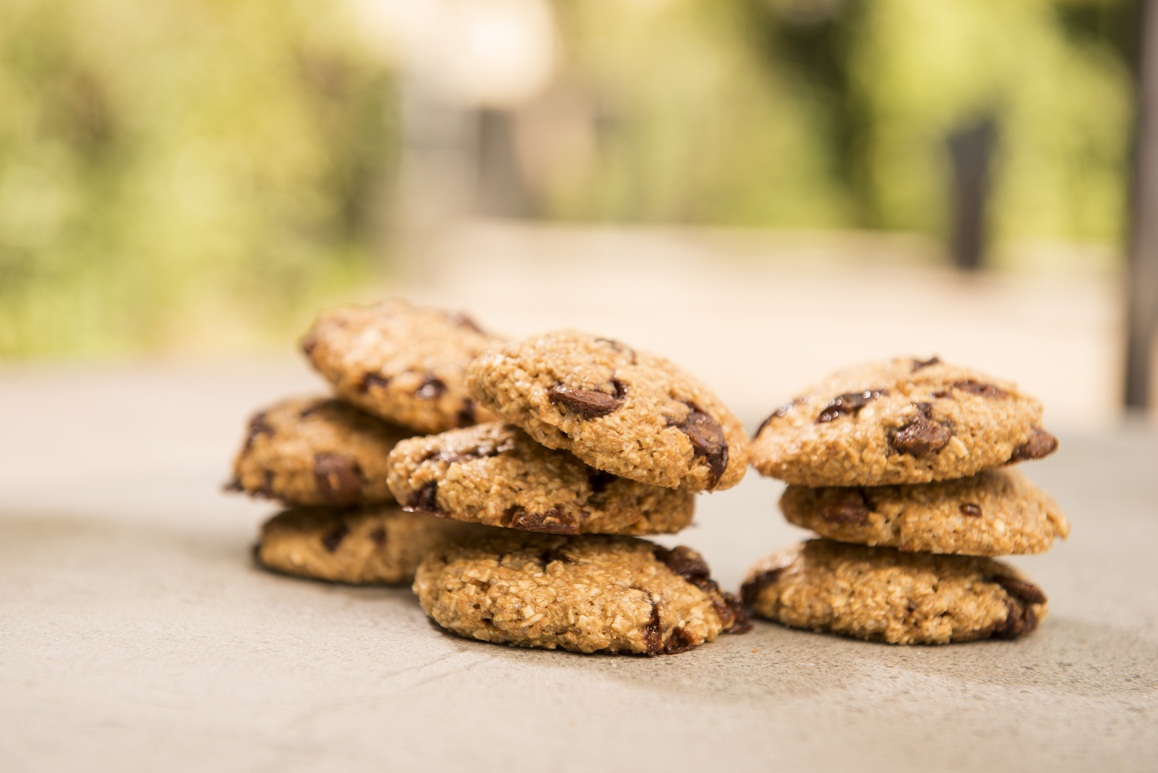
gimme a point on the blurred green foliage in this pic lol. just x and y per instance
(181, 171)
(173, 165)
(835, 113)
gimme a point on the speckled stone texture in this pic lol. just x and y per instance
(620, 410)
(372, 546)
(404, 363)
(494, 474)
(902, 421)
(884, 595)
(586, 594)
(316, 451)
(993, 513)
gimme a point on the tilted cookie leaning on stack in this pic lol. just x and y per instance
(901, 467)
(602, 443)
(405, 369)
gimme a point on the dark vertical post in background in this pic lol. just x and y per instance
(1142, 289)
(971, 149)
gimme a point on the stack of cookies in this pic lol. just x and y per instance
(396, 370)
(597, 445)
(514, 505)
(903, 469)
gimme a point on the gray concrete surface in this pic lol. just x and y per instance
(135, 635)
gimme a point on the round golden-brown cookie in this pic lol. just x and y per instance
(993, 513)
(590, 593)
(401, 362)
(316, 451)
(881, 594)
(623, 411)
(370, 546)
(494, 474)
(901, 421)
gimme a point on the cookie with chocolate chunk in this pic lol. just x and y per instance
(401, 362)
(901, 421)
(316, 451)
(993, 513)
(884, 595)
(370, 546)
(590, 593)
(496, 475)
(620, 410)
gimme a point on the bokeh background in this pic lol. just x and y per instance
(761, 189)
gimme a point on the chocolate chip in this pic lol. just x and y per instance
(378, 536)
(550, 555)
(850, 402)
(549, 522)
(923, 435)
(598, 480)
(466, 415)
(425, 499)
(588, 403)
(258, 426)
(1040, 444)
(1020, 589)
(1020, 619)
(708, 441)
(233, 486)
(733, 616)
(752, 589)
(334, 538)
(458, 319)
(653, 632)
(431, 388)
(678, 641)
(918, 364)
(339, 479)
(372, 381)
(978, 388)
(779, 413)
(309, 343)
(845, 505)
(684, 561)
(970, 509)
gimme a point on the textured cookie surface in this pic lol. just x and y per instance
(881, 594)
(404, 363)
(496, 475)
(587, 594)
(623, 411)
(316, 451)
(381, 545)
(901, 421)
(993, 513)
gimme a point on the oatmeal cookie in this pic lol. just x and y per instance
(622, 411)
(590, 593)
(884, 595)
(494, 474)
(901, 421)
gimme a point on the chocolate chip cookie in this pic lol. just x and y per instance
(401, 362)
(496, 475)
(993, 513)
(587, 594)
(881, 594)
(370, 546)
(622, 411)
(901, 421)
(316, 451)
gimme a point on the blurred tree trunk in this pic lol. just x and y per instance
(1142, 290)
